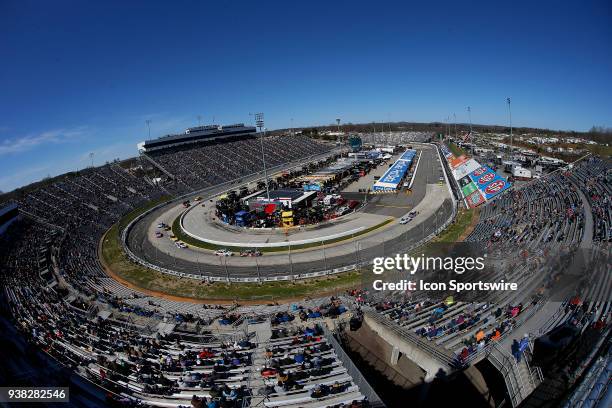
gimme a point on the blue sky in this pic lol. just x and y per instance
(79, 77)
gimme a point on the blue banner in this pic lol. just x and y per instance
(312, 187)
(482, 176)
(408, 155)
(395, 172)
(495, 187)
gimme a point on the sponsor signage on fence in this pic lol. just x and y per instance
(495, 187)
(457, 161)
(468, 189)
(475, 199)
(489, 182)
(465, 169)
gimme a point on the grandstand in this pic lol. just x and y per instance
(554, 213)
(155, 351)
(207, 164)
(196, 135)
(8, 214)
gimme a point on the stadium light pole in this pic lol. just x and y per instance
(469, 109)
(148, 122)
(455, 120)
(259, 122)
(447, 126)
(510, 119)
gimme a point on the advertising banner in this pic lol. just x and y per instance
(468, 189)
(312, 187)
(495, 187)
(408, 155)
(457, 161)
(393, 176)
(485, 179)
(475, 199)
(464, 181)
(477, 175)
(465, 169)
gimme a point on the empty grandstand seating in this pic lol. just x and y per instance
(210, 164)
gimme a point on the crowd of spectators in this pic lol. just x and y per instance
(595, 174)
(535, 230)
(63, 310)
(301, 366)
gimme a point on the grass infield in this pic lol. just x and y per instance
(137, 276)
(180, 234)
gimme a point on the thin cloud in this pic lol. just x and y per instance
(108, 153)
(23, 177)
(29, 142)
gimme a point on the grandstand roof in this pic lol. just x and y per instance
(196, 134)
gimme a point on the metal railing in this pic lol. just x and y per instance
(364, 387)
(441, 355)
(507, 367)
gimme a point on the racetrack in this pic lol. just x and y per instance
(431, 199)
